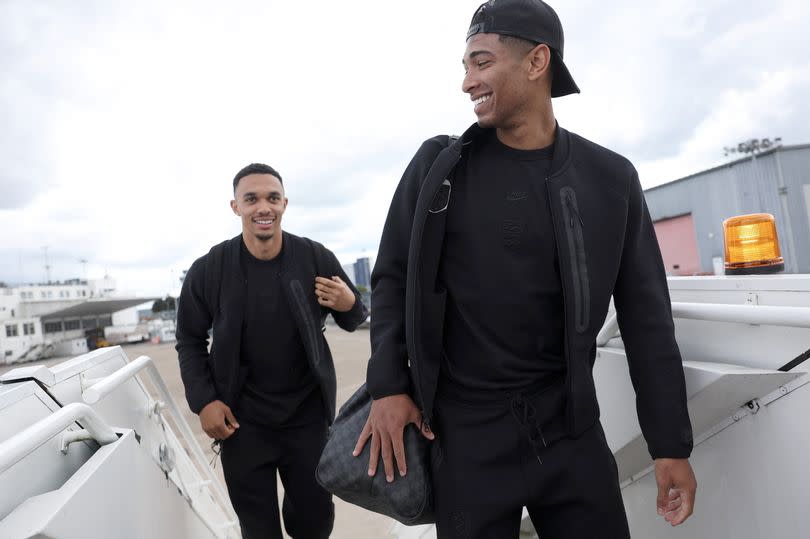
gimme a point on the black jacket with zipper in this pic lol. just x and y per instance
(213, 296)
(606, 246)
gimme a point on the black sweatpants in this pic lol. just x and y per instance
(491, 458)
(250, 459)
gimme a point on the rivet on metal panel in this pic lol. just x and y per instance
(753, 405)
(783, 390)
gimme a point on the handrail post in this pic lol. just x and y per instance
(21, 444)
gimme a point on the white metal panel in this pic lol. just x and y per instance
(118, 493)
(752, 480)
(45, 468)
(714, 392)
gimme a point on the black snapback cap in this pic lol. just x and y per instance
(532, 20)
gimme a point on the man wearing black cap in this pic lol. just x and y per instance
(497, 263)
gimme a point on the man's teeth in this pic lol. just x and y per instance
(270, 222)
(482, 99)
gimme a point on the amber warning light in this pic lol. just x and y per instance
(752, 245)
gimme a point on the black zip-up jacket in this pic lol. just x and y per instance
(213, 295)
(606, 246)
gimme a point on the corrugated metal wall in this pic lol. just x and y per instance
(747, 186)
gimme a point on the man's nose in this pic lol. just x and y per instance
(467, 83)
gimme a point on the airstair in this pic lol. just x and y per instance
(87, 452)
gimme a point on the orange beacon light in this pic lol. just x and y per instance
(752, 245)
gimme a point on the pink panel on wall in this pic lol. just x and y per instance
(678, 243)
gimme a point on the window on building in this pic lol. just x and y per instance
(12, 330)
(53, 327)
(29, 329)
(43, 294)
(72, 324)
(88, 323)
(84, 293)
(50, 294)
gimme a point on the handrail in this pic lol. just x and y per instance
(608, 331)
(21, 444)
(766, 315)
(105, 386)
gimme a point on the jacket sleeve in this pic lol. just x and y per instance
(358, 313)
(388, 372)
(644, 314)
(193, 322)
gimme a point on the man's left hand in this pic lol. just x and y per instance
(676, 489)
(334, 293)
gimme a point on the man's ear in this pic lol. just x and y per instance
(235, 208)
(286, 201)
(539, 61)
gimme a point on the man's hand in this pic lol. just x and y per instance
(676, 489)
(385, 425)
(334, 293)
(217, 420)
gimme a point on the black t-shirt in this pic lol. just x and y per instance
(504, 320)
(280, 388)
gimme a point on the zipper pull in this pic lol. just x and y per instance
(573, 211)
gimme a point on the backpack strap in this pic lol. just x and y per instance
(213, 277)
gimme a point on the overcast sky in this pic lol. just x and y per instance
(124, 123)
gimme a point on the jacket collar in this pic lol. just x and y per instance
(562, 146)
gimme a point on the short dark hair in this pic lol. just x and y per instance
(522, 47)
(256, 168)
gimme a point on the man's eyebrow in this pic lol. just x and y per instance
(473, 54)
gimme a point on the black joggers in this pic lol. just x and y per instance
(492, 457)
(250, 459)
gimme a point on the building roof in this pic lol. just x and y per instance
(732, 163)
(95, 307)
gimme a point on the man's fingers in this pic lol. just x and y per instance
(223, 431)
(387, 456)
(231, 419)
(684, 511)
(362, 439)
(423, 427)
(399, 453)
(674, 504)
(327, 284)
(374, 457)
(662, 499)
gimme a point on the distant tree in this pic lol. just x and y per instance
(167, 304)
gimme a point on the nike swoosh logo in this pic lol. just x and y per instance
(516, 195)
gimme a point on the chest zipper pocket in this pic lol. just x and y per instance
(576, 251)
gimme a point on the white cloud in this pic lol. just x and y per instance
(125, 123)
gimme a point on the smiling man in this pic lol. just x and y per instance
(266, 390)
(496, 267)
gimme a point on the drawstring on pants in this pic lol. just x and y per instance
(526, 415)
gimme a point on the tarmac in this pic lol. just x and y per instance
(350, 352)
